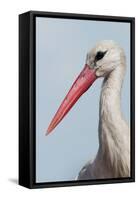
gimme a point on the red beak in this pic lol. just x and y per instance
(80, 86)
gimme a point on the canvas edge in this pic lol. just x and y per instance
(25, 154)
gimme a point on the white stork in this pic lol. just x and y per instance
(107, 60)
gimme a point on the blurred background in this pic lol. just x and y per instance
(61, 47)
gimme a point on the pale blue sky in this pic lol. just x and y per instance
(61, 47)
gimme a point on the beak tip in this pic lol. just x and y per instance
(48, 131)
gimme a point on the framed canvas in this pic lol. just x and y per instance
(76, 99)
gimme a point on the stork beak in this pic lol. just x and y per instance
(79, 87)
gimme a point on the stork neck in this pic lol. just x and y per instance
(114, 133)
(110, 109)
(110, 101)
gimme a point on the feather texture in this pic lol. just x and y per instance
(113, 156)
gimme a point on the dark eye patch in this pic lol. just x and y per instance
(100, 55)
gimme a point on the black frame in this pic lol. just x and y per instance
(27, 98)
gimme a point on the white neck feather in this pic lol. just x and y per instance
(114, 142)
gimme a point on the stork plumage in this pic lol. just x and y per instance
(106, 59)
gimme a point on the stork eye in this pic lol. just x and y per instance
(100, 55)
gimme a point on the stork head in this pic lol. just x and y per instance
(105, 57)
